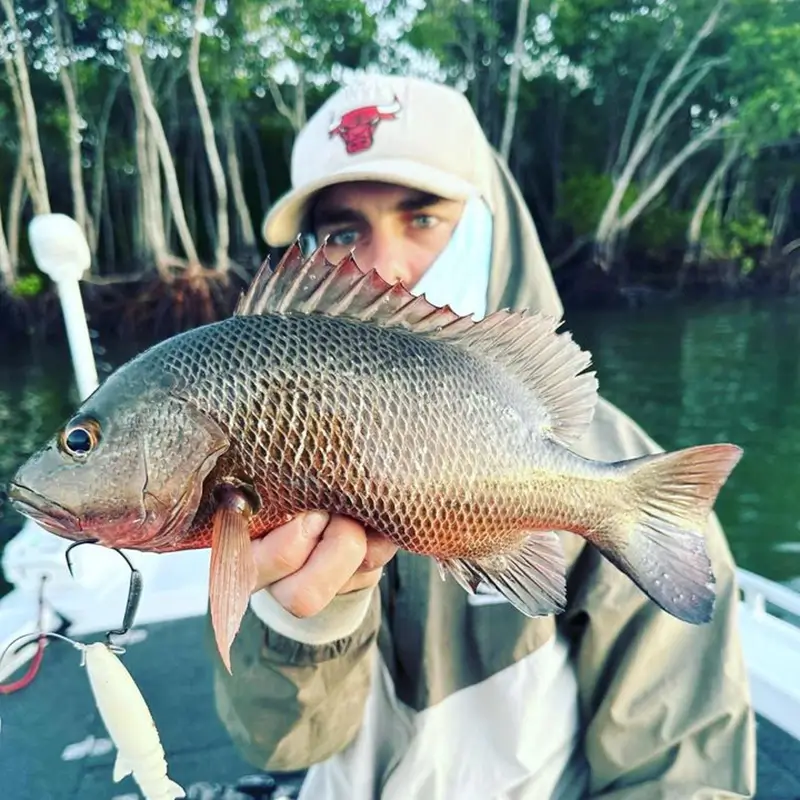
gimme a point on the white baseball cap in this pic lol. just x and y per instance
(405, 131)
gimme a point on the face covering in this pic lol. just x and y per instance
(459, 277)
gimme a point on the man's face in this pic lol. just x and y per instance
(398, 231)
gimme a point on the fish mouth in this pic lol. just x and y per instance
(45, 512)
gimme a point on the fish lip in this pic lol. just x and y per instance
(42, 510)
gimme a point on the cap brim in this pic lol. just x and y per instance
(283, 221)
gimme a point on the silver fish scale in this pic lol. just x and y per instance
(414, 438)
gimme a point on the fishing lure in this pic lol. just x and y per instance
(126, 717)
(123, 709)
(129, 724)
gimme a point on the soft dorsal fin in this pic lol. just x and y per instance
(527, 346)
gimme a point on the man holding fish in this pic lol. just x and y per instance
(356, 658)
(441, 565)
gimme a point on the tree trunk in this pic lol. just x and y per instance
(651, 164)
(16, 204)
(39, 203)
(743, 171)
(107, 222)
(264, 196)
(8, 274)
(558, 105)
(204, 199)
(74, 136)
(190, 179)
(684, 182)
(26, 112)
(296, 115)
(210, 142)
(644, 144)
(490, 78)
(694, 233)
(780, 214)
(655, 122)
(658, 183)
(154, 241)
(156, 130)
(512, 99)
(622, 224)
(171, 120)
(300, 100)
(144, 237)
(635, 108)
(234, 170)
(161, 208)
(99, 167)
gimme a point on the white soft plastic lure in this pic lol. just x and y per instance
(129, 724)
(127, 720)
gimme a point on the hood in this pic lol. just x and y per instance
(520, 275)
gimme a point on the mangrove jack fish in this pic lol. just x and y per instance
(330, 389)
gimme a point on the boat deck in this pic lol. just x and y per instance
(53, 745)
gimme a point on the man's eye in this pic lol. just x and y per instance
(343, 238)
(424, 221)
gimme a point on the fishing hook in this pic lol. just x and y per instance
(134, 589)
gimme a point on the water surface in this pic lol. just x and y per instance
(714, 373)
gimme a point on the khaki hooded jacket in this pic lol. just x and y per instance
(416, 690)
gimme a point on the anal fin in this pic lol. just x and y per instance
(532, 577)
(232, 574)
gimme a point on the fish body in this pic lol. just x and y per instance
(323, 412)
(330, 389)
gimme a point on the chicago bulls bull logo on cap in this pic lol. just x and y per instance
(357, 127)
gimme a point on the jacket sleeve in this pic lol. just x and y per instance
(296, 697)
(666, 705)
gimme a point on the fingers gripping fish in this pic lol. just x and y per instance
(330, 389)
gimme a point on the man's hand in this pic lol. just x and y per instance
(314, 557)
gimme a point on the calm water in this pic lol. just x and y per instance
(728, 372)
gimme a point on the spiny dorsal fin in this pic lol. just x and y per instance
(528, 346)
(315, 285)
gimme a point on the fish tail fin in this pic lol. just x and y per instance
(661, 545)
(532, 576)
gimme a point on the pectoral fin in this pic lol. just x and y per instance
(233, 572)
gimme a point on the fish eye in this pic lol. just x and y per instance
(79, 438)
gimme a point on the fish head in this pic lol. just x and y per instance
(126, 470)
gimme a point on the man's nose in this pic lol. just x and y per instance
(389, 256)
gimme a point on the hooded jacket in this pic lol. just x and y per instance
(416, 690)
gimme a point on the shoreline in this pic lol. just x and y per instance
(149, 310)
